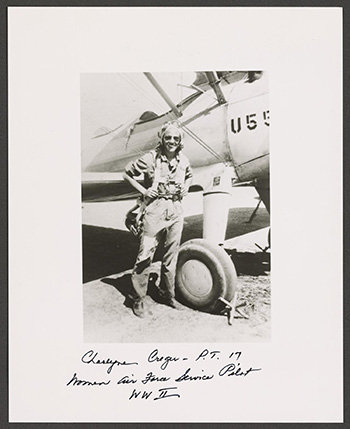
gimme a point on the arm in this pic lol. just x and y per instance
(134, 183)
(140, 166)
(188, 180)
(185, 187)
(149, 193)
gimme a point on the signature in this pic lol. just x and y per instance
(91, 357)
(154, 357)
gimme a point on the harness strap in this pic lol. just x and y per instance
(160, 179)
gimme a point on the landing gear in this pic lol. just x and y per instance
(204, 274)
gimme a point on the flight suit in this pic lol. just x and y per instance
(162, 220)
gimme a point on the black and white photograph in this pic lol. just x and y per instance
(175, 215)
(176, 202)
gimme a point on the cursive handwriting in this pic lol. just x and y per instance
(157, 369)
(76, 382)
(91, 357)
(154, 357)
(150, 377)
(126, 380)
(235, 369)
(187, 377)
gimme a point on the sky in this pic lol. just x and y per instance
(109, 100)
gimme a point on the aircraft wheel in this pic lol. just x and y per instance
(204, 273)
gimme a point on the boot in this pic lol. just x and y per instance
(173, 304)
(138, 309)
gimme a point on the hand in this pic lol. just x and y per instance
(151, 193)
(183, 191)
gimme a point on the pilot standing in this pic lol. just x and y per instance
(167, 177)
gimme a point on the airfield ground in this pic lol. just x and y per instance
(109, 252)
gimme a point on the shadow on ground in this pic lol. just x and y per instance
(123, 286)
(108, 251)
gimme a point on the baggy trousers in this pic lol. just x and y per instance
(161, 217)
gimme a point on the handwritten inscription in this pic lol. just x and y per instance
(154, 357)
(235, 369)
(163, 393)
(206, 353)
(91, 357)
(150, 377)
(75, 381)
(169, 372)
(126, 380)
(166, 392)
(189, 377)
(143, 395)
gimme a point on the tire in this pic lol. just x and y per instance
(204, 273)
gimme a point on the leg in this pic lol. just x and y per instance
(142, 267)
(171, 251)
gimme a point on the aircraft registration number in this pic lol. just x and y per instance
(251, 121)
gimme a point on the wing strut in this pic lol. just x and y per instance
(163, 94)
(215, 84)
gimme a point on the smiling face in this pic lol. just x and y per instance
(171, 140)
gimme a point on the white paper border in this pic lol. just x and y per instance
(302, 49)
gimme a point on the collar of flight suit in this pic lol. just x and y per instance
(164, 158)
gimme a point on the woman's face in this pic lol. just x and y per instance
(171, 139)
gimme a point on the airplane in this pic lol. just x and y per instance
(226, 122)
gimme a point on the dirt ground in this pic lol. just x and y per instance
(109, 252)
(107, 319)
